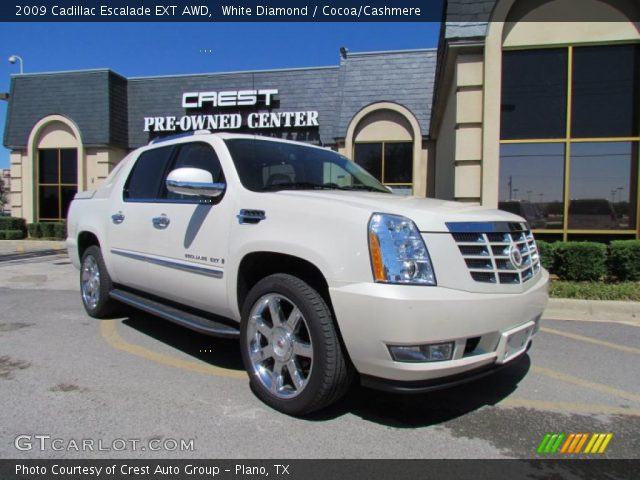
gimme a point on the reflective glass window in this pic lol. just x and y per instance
(602, 189)
(398, 162)
(532, 183)
(534, 94)
(605, 91)
(369, 157)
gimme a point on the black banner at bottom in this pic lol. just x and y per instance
(318, 469)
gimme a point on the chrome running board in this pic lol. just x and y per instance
(192, 321)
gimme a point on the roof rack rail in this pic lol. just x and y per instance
(178, 135)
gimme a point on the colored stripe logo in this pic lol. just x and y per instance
(573, 443)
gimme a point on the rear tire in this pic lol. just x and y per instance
(95, 284)
(290, 347)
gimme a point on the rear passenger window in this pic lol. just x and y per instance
(144, 182)
(196, 155)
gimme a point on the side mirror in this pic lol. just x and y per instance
(194, 182)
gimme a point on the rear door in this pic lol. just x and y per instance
(130, 226)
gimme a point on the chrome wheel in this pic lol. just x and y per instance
(280, 347)
(90, 282)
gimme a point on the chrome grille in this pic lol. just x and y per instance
(488, 255)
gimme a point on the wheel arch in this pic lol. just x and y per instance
(255, 266)
(86, 239)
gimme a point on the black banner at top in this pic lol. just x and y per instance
(455, 11)
(221, 11)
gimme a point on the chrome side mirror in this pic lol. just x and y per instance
(194, 182)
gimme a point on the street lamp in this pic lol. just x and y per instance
(14, 58)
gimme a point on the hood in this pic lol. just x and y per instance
(430, 215)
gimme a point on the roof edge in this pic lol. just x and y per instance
(178, 75)
(392, 52)
(66, 72)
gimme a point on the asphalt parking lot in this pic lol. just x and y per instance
(139, 382)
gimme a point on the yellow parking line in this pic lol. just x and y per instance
(109, 331)
(563, 407)
(595, 341)
(586, 384)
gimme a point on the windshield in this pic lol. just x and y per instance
(269, 166)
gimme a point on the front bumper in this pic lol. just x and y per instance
(373, 316)
(72, 251)
(423, 386)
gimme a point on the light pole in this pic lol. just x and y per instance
(14, 58)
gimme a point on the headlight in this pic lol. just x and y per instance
(398, 253)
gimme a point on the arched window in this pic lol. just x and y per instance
(386, 145)
(54, 147)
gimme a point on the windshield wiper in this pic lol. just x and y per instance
(298, 186)
(362, 187)
(317, 186)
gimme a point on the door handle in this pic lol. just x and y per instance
(117, 218)
(161, 222)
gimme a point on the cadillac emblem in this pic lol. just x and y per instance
(515, 256)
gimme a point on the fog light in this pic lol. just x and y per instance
(434, 352)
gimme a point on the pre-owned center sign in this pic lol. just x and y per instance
(231, 121)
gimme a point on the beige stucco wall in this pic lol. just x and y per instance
(100, 162)
(383, 125)
(16, 193)
(459, 142)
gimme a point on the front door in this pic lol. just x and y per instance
(188, 241)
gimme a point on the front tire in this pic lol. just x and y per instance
(290, 347)
(95, 284)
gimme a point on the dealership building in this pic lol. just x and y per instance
(538, 118)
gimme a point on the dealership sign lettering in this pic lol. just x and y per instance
(231, 121)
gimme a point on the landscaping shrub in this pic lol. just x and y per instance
(624, 260)
(47, 229)
(623, 291)
(547, 254)
(580, 261)
(57, 230)
(11, 234)
(60, 230)
(13, 223)
(34, 230)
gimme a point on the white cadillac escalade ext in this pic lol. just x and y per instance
(322, 273)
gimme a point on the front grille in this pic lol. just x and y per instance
(490, 256)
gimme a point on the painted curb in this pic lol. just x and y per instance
(592, 310)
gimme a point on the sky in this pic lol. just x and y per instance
(146, 49)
